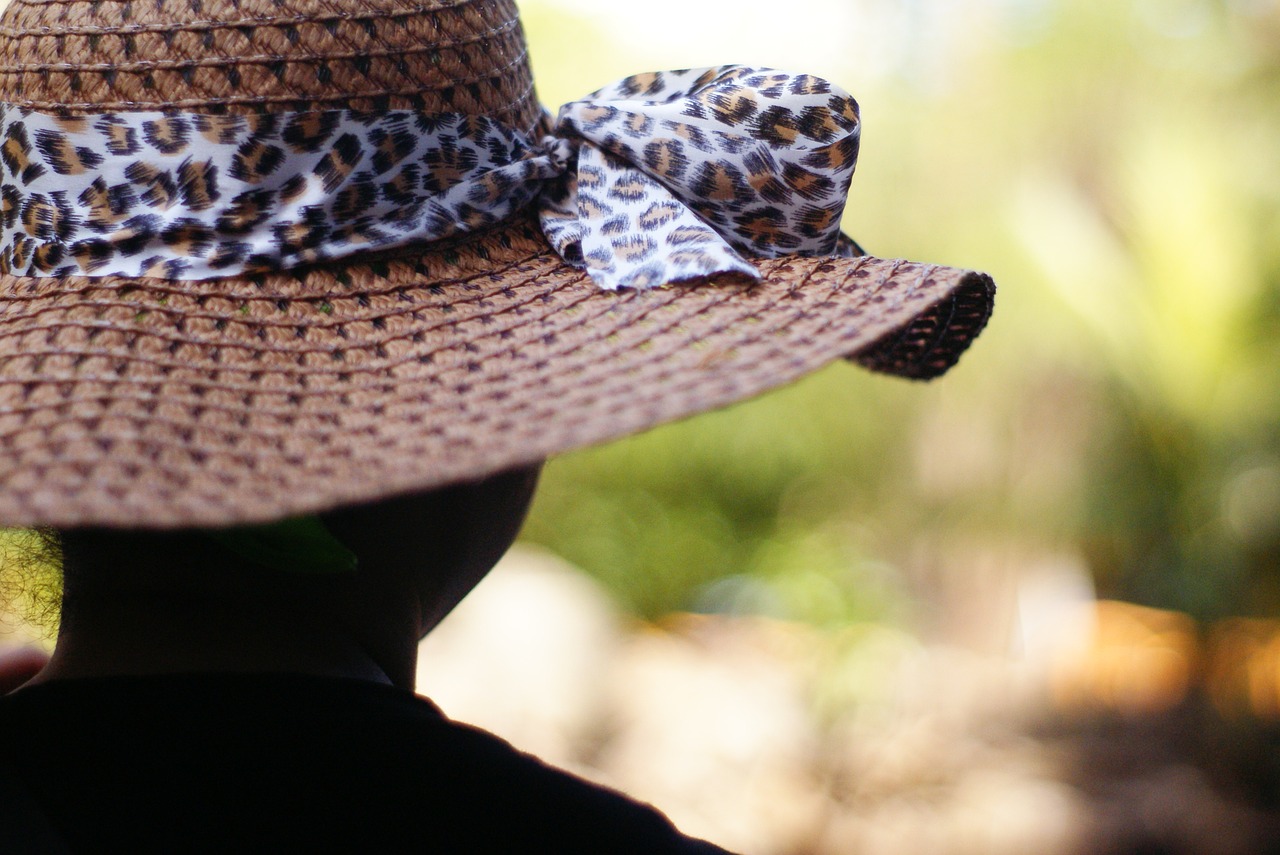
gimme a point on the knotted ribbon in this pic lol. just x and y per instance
(659, 178)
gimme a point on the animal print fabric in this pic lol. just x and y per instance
(193, 196)
(659, 178)
(683, 173)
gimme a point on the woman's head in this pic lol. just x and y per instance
(414, 281)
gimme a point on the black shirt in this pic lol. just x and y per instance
(247, 763)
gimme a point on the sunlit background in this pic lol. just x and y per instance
(1027, 608)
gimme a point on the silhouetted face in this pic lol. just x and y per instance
(429, 549)
(443, 542)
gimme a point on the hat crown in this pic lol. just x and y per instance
(249, 56)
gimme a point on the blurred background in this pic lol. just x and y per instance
(1116, 167)
(1030, 607)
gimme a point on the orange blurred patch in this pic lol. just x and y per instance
(1244, 667)
(1136, 660)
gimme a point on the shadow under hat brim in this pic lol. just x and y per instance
(155, 403)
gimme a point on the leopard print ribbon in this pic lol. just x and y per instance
(659, 178)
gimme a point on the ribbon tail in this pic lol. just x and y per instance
(558, 216)
(629, 231)
(847, 247)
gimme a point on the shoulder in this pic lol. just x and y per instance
(484, 776)
(335, 760)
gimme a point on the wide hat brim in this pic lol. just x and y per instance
(166, 403)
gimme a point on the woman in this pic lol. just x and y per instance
(295, 299)
(199, 700)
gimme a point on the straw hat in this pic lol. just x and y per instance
(287, 385)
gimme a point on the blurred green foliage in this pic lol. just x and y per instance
(1115, 166)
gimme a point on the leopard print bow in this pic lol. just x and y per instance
(682, 173)
(658, 178)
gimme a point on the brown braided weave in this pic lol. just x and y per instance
(94, 56)
(163, 403)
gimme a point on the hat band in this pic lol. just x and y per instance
(658, 178)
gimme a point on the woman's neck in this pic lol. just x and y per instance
(150, 632)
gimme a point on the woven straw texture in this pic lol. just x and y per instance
(158, 403)
(95, 56)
